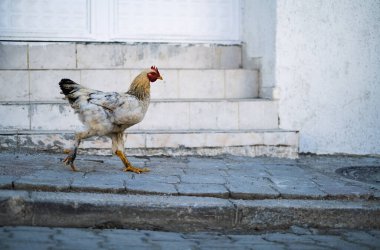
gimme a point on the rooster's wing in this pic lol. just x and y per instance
(107, 100)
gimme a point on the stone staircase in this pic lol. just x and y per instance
(206, 105)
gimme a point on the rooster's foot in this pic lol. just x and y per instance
(69, 160)
(136, 170)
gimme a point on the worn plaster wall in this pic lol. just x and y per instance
(259, 33)
(328, 70)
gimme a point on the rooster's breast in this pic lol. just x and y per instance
(131, 112)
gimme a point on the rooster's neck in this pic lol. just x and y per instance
(140, 87)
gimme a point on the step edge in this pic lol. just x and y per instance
(174, 100)
(200, 131)
(197, 213)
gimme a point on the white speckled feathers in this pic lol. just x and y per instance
(107, 112)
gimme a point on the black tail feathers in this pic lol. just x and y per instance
(68, 86)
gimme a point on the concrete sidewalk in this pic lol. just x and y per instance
(190, 193)
(309, 177)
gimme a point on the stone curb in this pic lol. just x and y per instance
(185, 190)
(180, 213)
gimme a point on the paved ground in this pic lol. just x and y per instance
(222, 177)
(252, 201)
(296, 238)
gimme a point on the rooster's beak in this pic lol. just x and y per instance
(160, 77)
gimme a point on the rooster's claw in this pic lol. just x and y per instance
(69, 160)
(136, 170)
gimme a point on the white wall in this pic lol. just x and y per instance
(328, 70)
(259, 33)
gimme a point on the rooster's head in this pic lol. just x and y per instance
(154, 74)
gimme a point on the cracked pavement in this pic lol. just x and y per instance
(222, 177)
(294, 238)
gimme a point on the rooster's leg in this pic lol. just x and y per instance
(118, 148)
(128, 166)
(69, 160)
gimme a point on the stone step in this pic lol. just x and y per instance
(180, 213)
(42, 85)
(71, 55)
(191, 114)
(276, 143)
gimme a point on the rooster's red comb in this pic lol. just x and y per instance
(154, 68)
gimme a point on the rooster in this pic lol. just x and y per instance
(109, 113)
